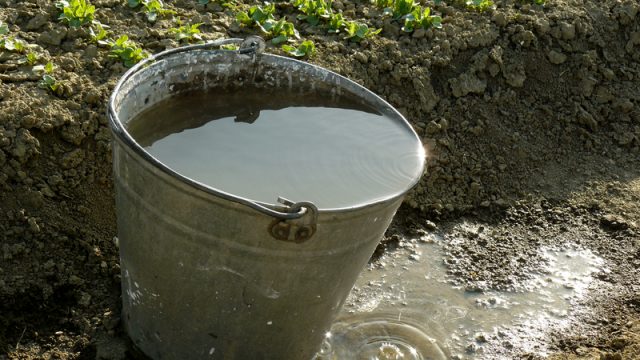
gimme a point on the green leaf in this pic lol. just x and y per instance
(4, 28)
(230, 47)
(279, 39)
(306, 48)
(49, 67)
(243, 18)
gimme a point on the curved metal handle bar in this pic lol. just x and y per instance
(296, 210)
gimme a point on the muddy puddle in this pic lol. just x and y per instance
(405, 307)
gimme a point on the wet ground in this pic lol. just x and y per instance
(521, 241)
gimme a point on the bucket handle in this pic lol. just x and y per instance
(305, 211)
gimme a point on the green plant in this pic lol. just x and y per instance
(48, 68)
(420, 18)
(98, 33)
(31, 58)
(76, 12)
(281, 30)
(306, 48)
(358, 31)
(262, 17)
(256, 14)
(479, 5)
(186, 33)
(230, 47)
(400, 8)
(13, 44)
(382, 4)
(4, 28)
(151, 8)
(225, 4)
(313, 10)
(336, 23)
(48, 82)
(127, 51)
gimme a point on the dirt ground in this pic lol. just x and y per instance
(530, 115)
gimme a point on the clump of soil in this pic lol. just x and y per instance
(530, 116)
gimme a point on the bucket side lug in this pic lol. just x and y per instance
(296, 230)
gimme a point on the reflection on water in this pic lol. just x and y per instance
(406, 309)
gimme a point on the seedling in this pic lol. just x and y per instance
(127, 51)
(187, 33)
(313, 10)
(31, 58)
(256, 14)
(99, 33)
(400, 8)
(306, 48)
(336, 23)
(226, 4)
(46, 69)
(13, 44)
(281, 30)
(357, 31)
(262, 17)
(230, 47)
(76, 12)
(420, 18)
(151, 8)
(479, 5)
(4, 28)
(382, 4)
(50, 83)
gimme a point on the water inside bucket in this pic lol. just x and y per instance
(259, 145)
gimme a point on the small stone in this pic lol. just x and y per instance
(75, 280)
(542, 25)
(85, 299)
(500, 19)
(53, 37)
(432, 127)
(93, 97)
(467, 83)
(623, 105)
(568, 31)
(91, 51)
(480, 337)
(419, 34)
(360, 56)
(38, 21)
(556, 57)
(614, 222)
(72, 159)
(33, 225)
(430, 225)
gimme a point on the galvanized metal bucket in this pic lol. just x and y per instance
(208, 274)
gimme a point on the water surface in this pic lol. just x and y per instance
(261, 145)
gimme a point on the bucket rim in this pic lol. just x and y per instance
(272, 209)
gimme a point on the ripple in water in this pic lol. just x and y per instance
(257, 145)
(406, 308)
